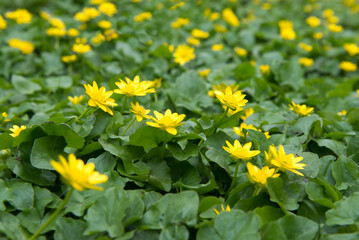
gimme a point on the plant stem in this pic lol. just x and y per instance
(235, 176)
(54, 215)
(257, 190)
(123, 104)
(83, 114)
(128, 126)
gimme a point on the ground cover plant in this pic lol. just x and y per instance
(140, 119)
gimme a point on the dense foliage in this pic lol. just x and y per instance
(155, 119)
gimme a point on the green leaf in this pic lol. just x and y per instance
(148, 137)
(104, 163)
(68, 228)
(291, 73)
(286, 195)
(345, 212)
(180, 154)
(6, 141)
(62, 82)
(22, 195)
(174, 233)
(135, 208)
(72, 139)
(345, 172)
(268, 213)
(42, 198)
(46, 149)
(207, 203)
(337, 147)
(5, 194)
(24, 85)
(273, 230)
(10, 226)
(160, 175)
(312, 162)
(244, 71)
(298, 228)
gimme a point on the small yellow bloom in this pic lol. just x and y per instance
(56, 32)
(240, 51)
(247, 113)
(348, 66)
(79, 175)
(204, 72)
(99, 97)
(342, 113)
(141, 112)
(134, 88)
(217, 47)
(20, 15)
(157, 82)
(285, 24)
(306, 61)
(313, 21)
(91, 12)
(110, 34)
(357, 95)
(142, 17)
(24, 46)
(81, 46)
(3, 23)
(4, 115)
(220, 28)
(197, 33)
(260, 176)
(16, 130)
(183, 54)
(193, 41)
(287, 33)
(302, 110)
(305, 47)
(328, 13)
(238, 151)
(104, 24)
(180, 22)
(239, 131)
(108, 8)
(333, 19)
(318, 35)
(335, 28)
(228, 209)
(57, 23)
(72, 32)
(76, 99)
(97, 2)
(265, 69)
(253, 63)
(351, 48)
(177, 5)
(214, 16)
(230, 99)
(229, 16)
(45, 15)
(169, 121)
(266, 6)
(99, 38)
(282, 161)
(69, 58)
(81, 16)
(222, 88)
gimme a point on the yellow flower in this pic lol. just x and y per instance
(183, 54)
(169, 121)
(348, 66)
(285, 24)
(287, 33)
(197, 33)
(16, 130)
(229, 16)
(265, 69)
(107, 8)
(302, 110)
(97, 2)
(177, 5)
(214, 16)
(342, 113)
(45, 15)
(91, 12)
(4, 115)
(260, 176)
(81, 46)
(20, 15)
(204, 72)
(306, 61)
(3, 24)
(180, 22)
(328, 13)
(305, 47)
(313, 21)
(239, 131)
(351, 48)
(104, 24)
(240, 51)
(24, 46)
(142, 17)
(99, 38)
(318, 35)
(233, 100)
(157, 82)
(193, 41)
(76, 100)
(69, 58)
(282, 161)
(228, 209)
(77, 174)
(266, 6)
(99, 97)
(110, 34)
(333, 19)
(72, 32)
(57, 23)
(247, 113)
(81, 16)
(219, 28)
(217, 47)
(57, 32)
(141, 112)
(238, 151)
(357, 95)
(222, 87)
(134, 88)
(335, 28)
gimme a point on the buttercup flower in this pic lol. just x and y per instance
(142, 17)
(233, 100)
(180, 22)
(3, 24)
(265, 69)
(348, 66)
(107, 8)
(197, 33)
(238, 151)
(240, 51)
(183, 54)
(318, 35)
(73, 32)
(177, 5)
(313, 21)
(104, 24)
(301, 109)
(193, 41)
(217, 47)
(220, 28)
(16, 130)
(57, 32)
(77, 174)
(282, 161)
(305, 47)
(229, 16)
(134, 88)
(204, 72)
(335, 28)
(222, 88)
(351, 48)
(24, 46)
(239, 130)
(21, 16)
(169, 121)
(76, 99)
(99, 97)
(306, 61)
(342, 113)
(286, 30)
(81, 46)
(260, 176)
(69, 58)
(141, 112)
(99, 38)
(228, 209)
